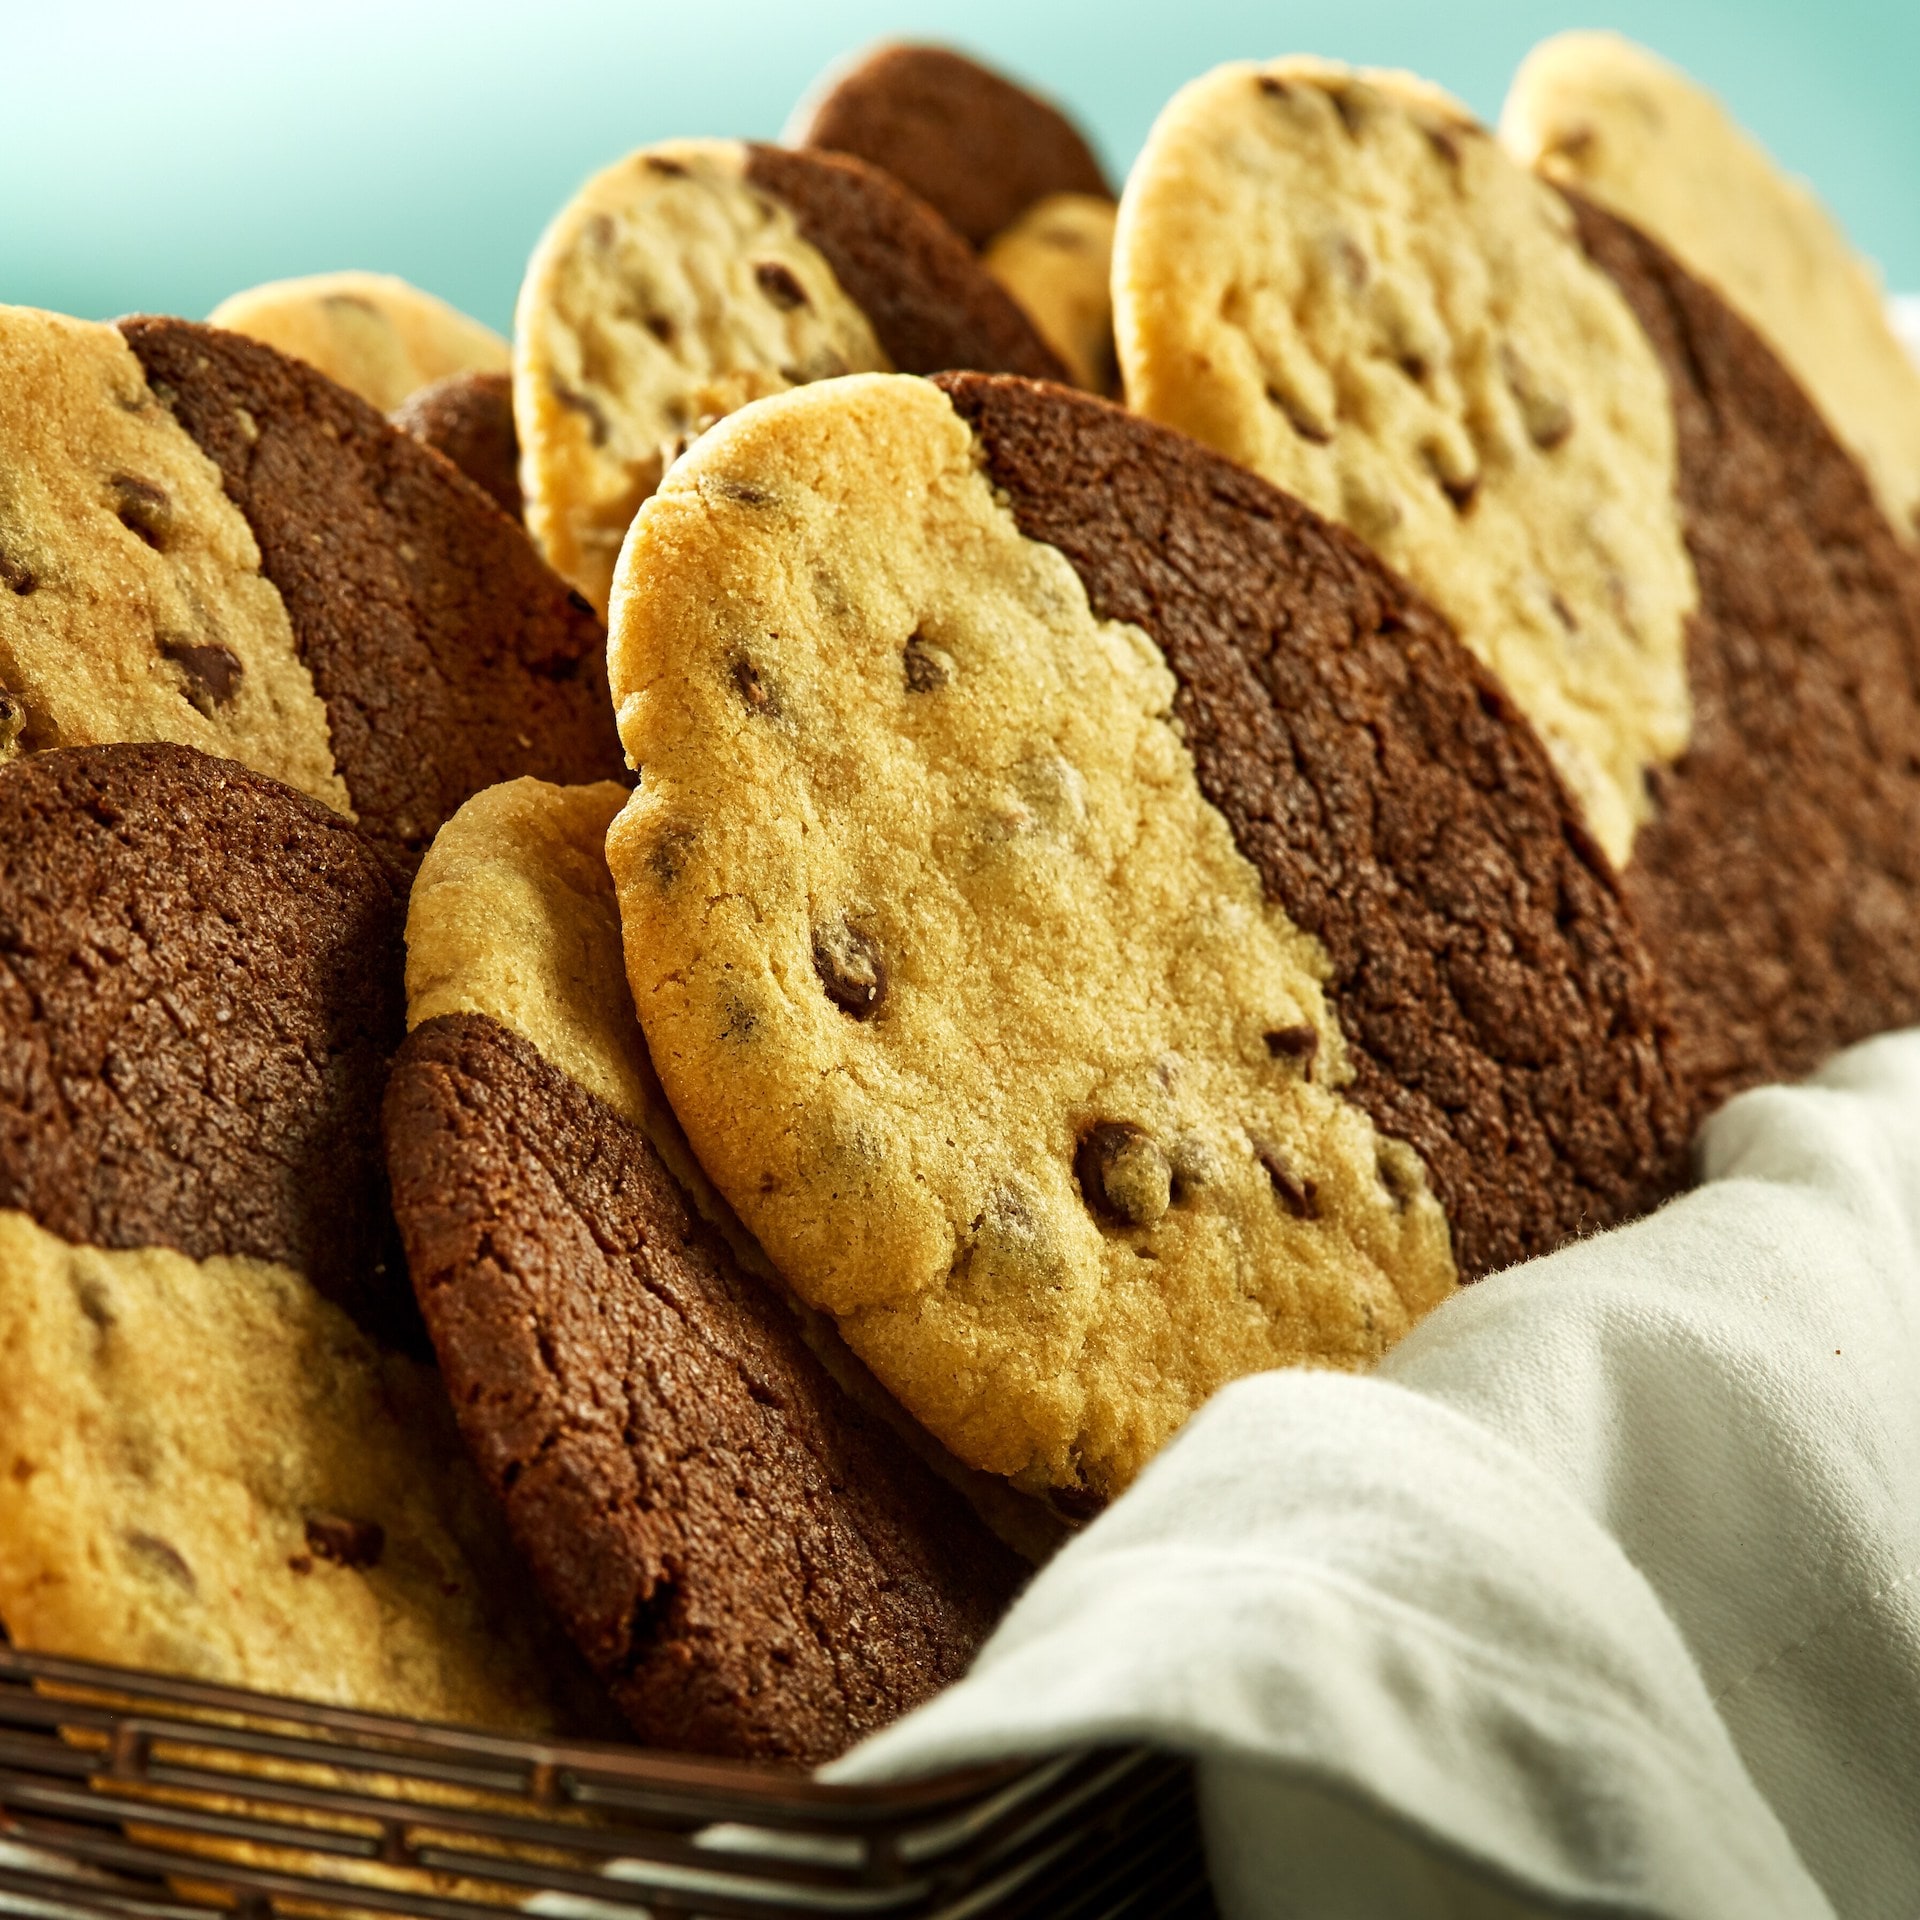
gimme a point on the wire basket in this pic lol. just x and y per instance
(125, 1793)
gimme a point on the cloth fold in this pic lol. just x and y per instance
(1602, 1593)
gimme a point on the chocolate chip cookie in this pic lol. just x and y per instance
(1595, 112)
(755, 1564)
(975, 146)
(205, 1465)
(1098, 927)
(695, 276)
(1340, 281)
(373, 333)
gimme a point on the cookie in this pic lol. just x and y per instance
(695, 276)
(468, 417)
(1778, 879)
(373, 333)
(1096, 925)
(1595, 112)
(755, 1565)
(1339, 281)
(133, 600)
(209, 1468)
(1056, 259)
(977, 148)
(211, 543)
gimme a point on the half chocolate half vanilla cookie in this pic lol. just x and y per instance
(1609, 484)
(754, 1560)
(1008, 170)
(1098, 927)
(213, 1461)
(205, 541)
(694, 276)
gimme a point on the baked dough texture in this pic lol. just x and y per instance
(374, 333)
(668, 292)
(1340, 281)
(962, 991)
(1056, 259)
(1595, 111)
(133, 605)
(207, 1469)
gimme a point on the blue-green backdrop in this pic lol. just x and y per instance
(160, 156)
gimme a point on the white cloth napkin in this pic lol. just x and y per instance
(1603, 1591)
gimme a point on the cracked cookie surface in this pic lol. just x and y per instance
(980, 1013)
(1342, 282)
(755, 1564)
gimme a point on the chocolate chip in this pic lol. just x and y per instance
(1347, 104)
(212, 673)
(776, 280)
(1077, 1504)
(1123, 1175)
(143, 509)
(1302, 422)
(347, 1543)
(587, 408)
(1415, 368)
(753, 690)
(16, 578)
(164, 1557)
(850, 968)
(928, 667)
(659, 163)
(1273, 87)
(13, 721)
(1547, 418)
(1294, 1043)
(300, 1562)
(741, 492)
(667, 857)
(660, 327)
(1299, 1196)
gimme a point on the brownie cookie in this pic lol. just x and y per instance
(1778, 879)
(695, 276)
(468, 417)
(207, 1466)
(1099, 928)
(374, 334)
(133, 603)
(1340, 281)
(977, 148)
(1595, 112)
(754, 1564)
(447, 655)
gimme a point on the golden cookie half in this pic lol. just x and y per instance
(697, 275)
(1596, 112)
(375, 334)
(1098, 928)
(754, 1562)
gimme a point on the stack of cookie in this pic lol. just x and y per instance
(1114, 898)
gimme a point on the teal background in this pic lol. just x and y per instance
(161, 156)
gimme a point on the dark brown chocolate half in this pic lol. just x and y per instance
(200, 990)
(931, 303)
(468, 419)
(1779, 880)
(1501, 1013)
(753, 1565)
(977, 148)
(449, 655)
